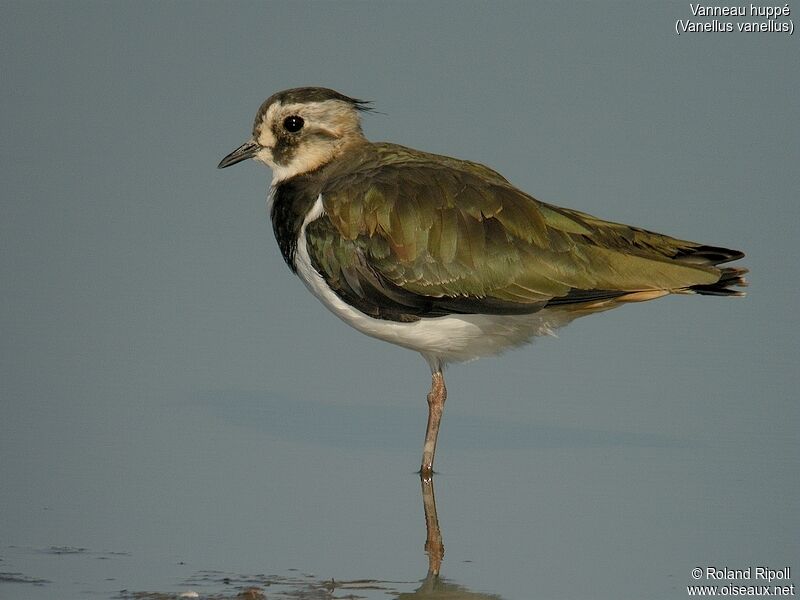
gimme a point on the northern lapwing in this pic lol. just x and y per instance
(445, 256)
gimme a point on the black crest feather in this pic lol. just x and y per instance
(308, 94)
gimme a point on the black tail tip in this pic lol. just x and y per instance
(731, 277)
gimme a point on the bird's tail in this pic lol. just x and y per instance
(713, 256)
(731, 277)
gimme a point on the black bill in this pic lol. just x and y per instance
(243, 152)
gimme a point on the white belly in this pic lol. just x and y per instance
(454, 338)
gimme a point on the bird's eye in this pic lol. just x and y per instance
(293, 124)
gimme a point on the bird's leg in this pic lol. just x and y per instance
(436, 398)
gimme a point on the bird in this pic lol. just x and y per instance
(445, 256)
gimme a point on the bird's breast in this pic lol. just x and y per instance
(289, 205)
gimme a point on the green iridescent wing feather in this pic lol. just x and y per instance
(427, 231)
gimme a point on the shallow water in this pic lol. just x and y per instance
(226, 491)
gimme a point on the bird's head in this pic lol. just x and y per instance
(297, 131)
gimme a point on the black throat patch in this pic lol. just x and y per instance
(291, 201)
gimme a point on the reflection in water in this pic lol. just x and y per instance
(434, 587)
(434, 547)
(218, 585)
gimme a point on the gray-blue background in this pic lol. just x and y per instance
(173, 400)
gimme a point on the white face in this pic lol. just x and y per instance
(298, 138)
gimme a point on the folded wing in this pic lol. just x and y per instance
(415, 239)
